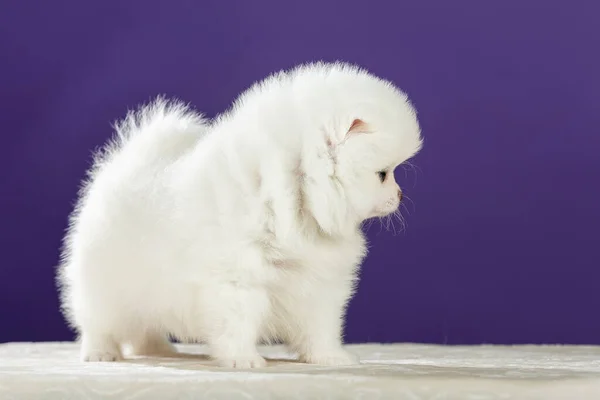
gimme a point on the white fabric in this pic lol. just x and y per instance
(405, 371)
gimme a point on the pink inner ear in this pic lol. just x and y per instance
(358, 126)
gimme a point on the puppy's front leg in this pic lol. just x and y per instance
(320, 321)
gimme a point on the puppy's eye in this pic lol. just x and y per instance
(382, 175)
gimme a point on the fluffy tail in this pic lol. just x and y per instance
(162, 130)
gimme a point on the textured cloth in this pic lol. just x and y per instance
(402, 371)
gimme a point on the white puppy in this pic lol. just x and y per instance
(239, 230)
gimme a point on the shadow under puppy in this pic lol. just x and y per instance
(240, 229)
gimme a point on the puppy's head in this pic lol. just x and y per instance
(368, 128)
(365, 161)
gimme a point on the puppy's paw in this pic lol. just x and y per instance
(100, 356)
(331, 358)
(99, 349)
(242, 362)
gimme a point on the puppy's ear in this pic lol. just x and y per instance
(358, 126)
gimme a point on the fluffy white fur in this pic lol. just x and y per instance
(237, 230)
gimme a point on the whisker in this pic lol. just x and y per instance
(405, 208)
(367, 225)
(401, 220)
(391, 223)
(414, 169)
(405, 197)
(380, 225)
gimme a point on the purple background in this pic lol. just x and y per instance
(502, 244)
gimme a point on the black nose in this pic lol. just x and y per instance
(400, 195)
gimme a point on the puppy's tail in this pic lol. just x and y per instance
(156, 133)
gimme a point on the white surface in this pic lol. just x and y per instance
(52, 371)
